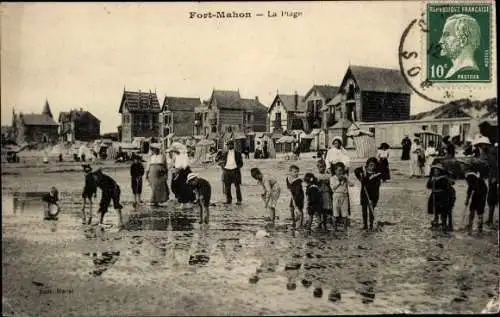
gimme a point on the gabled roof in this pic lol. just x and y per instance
(76, 115)
(462, 108)
(140, 101)
(288, 102)
(181, 103)
(327, 91)
(378, 79)
(38, 119)
(251, 105)
(225, 98)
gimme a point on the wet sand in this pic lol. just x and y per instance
(165, 263)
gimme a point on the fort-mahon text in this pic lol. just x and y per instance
(244, 15)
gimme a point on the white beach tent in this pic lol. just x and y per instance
(364, 142)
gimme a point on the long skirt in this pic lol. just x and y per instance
(415, 168)
(384, 166)
(182, 191)
(158, 178)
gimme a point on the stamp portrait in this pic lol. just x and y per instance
(458, 42)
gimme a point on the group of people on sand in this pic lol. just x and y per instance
(326, 195)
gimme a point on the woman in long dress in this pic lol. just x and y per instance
(416, 154)
(337, 154)
(181, 190)
(157, 175)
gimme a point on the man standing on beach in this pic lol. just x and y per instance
(231, 173)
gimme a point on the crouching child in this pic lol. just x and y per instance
(370, 179)
(202, 191)
(271, 192)
(52, 200)
(477, 192)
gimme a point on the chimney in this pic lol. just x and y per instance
(296, 101)
(257, 98)
(81, 109)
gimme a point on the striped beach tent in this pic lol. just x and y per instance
(364, 142)
(427, 136)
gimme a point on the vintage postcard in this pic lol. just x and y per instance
(249, 158)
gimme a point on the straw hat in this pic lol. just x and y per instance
(191, 176)
(481, 140)
(438, 166)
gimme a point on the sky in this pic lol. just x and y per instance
(83, 55)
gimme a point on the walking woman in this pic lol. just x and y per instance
(430, 154)
(383, 161)
(157, 175)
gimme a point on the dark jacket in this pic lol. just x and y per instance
(442, 197)
(90, 188)
(136, 170)
(314, 199)
(370, 183)
(476, 192)
(295, 187)
(237, 157)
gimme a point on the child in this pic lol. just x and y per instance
(271, 191)
(340, 197)
(52, 199)
(477, 191)
(202, 191)
(136, 173)
(89, 191)
(439, 203)
(294, 184)
(314, 198)
(326, 192)
(370, 178)
(110, 191)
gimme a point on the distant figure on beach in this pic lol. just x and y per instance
(406, 145)
(52, 200)
(430, 154)
(157, 175)
(417, 161)
(383, 161)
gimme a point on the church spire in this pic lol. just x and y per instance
(46, 109)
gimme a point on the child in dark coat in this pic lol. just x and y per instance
(477, 191)
(89, 192)
(441, 199)
(110, 192)
(136, 174)
(314, 198)
(370, 179)
(294, 184)
(203, 192)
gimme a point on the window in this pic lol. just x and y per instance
(372, 130)
(434, 128)
(229, 129)
(424, 128)
(278, 119)
(126, 118)
(214, 129)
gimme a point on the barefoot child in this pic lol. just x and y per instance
(314, 198)
(294, 184)
(339, 186)
(136, 173)
(326, 192)
(439, 203)
(52, 199)
(202, 191)
(370, 180)
(477, 191)
(271, 191)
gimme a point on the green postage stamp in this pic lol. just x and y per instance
(458, 42)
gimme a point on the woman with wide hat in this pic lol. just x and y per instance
(157, 175)
(383, 161)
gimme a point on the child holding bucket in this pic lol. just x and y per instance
(52, 200)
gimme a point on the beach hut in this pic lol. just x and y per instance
(287, 142)
(364, 143)
(427, 136)
(202, 151)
